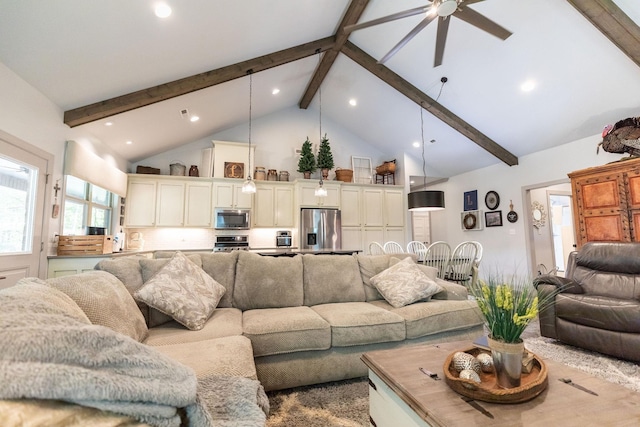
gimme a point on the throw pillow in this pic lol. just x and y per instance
(404, 283)
(183, 291)
(105, 300)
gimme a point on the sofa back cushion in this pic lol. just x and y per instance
(32, 294)
(127, 269)
(267, 282)
(370, 265)
(105, 300)
(331, 278)
(609, 269)
(222, 267)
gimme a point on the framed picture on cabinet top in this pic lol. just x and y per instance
(471, 220)
(233, 170)
(470, 200)
(493, 219)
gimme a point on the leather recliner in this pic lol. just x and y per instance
(597, 305)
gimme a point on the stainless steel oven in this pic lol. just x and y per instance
(231, 243)
(232, 219)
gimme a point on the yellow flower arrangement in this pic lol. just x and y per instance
(507, 307)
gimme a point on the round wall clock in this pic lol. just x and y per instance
(469, 221)
(492, 200)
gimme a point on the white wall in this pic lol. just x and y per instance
(505, 248)
(30, 116)
(276, 137)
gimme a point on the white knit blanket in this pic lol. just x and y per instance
(47, 353)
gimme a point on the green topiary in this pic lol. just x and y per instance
(307, 162)
(325, 158)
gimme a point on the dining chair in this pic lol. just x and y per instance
(438, 256)
(463, 259)
(478, 252)
(376, 248)
(417, 248)
(391, 247)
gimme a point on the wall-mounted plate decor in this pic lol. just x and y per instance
(471, 220)
(512, 216)
(492, 200)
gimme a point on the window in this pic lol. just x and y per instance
(85, 205)
(17, 192)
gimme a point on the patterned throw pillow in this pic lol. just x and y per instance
(183, 291)
(404, 283)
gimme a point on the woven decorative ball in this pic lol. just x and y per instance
(468, 374)
(462, 361)
(486, 362)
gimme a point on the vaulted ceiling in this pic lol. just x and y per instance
(116, 61)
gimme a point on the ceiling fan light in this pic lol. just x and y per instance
(447, 7)
(426, 200)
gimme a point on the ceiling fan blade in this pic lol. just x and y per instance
(467, 2)
(407, 38)
(388, 18)
(441, 39)
(472, 17)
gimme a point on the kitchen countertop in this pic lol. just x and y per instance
(262, 251)
(293, 252)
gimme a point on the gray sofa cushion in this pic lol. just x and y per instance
(128, 271)
(434, 317)
(105, 300)
(267, 282)
(451, 291)
(222, 267)
(33, 293)
(224, 322)
(331, 278)
(404, 283)
(370, 265)
(285, 330)
(357, 323)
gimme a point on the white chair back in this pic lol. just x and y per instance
(393, 248)
(417, 248)
(438, 256)
(462, 261)
(376, 248)
(478, 252)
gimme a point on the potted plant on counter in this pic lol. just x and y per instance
(307, 162)
(325, 158)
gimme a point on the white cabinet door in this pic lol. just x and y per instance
(263, 212)
(394, 208)
(373, 207)
(230, 195)
(373, 234)
(198, 205)
(350, 207)
(352, 238)
(141, 203)
(170, 204)
(284, 214)
(308, 198)
(395, 234)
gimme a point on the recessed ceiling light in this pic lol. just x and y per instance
(528, 86)
(416, 144)
(109, 124)
(353, 102)
(162, 10)
(275, 91)
(129, 142)
(194, 118)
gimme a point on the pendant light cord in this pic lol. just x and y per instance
(424, 163)
(250, 111)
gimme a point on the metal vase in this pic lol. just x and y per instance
(507, 362)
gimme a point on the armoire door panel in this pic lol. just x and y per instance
(606, 228)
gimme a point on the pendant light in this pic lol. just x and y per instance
(425, 200)
(320, 191)
(249, 186)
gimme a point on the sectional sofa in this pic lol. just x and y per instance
(278, 322)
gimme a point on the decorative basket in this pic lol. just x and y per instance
(344, 175)
(386, 167)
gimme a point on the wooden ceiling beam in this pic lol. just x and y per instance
(607, 17)
(413, 93)
(351, 16)
(144, 97)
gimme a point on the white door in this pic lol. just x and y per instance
(421, 227)
(23, 174)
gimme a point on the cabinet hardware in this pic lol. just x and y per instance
(3, 277)
(373, 423)
(372, 384)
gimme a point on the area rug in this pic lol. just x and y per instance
(346, 403)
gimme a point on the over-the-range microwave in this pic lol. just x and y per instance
(232, 219)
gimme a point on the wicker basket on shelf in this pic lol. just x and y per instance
(386, 167)
(344, 175)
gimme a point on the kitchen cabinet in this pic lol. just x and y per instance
(395, 234)
(308, 199)
(394, 208)
(273, 205)
(228, 194)
(371, 234)
(352, 238)
(170, 204)
(351, 197)
(373, 207)
(606, 203)
(141, 203)
(198, 207)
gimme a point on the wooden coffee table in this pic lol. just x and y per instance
(400, 394)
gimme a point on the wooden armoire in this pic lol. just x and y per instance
(606, 202)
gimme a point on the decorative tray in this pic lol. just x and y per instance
(531, 384)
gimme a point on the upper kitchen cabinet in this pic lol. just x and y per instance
(350, 196)
(228, 194)
(141, 202)
(273, 205)
(394, 207)
(170, 204)
(307, 198)
(198, 206)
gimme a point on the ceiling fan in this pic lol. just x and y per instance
(442, 9)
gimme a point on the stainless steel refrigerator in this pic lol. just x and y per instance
(320, 229)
